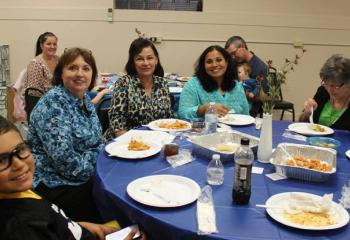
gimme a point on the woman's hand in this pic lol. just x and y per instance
(119, 132)
(104, 92)
(221, 109)
(304, 116)
(308, 104)
(98, 230)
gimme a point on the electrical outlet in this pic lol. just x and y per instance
(110, 15)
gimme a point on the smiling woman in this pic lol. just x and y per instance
(142, 95)
(66, 137)
(214, 81)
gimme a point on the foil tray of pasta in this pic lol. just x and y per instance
(309, 163)
(223, 143)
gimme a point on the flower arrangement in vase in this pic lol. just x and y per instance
(276, 77)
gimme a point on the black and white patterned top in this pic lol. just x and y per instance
(131, 106)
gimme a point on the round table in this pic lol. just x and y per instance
(233, 221)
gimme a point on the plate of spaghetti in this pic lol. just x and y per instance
(170, 125)
(312, 216)
(134, 149)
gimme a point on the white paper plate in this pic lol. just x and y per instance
(282, 199)
(347, 153)
(237, 119)
(118, 149)
(175, 89)
(164, 190)
(305, 129)
(144, 135)
(154, 125)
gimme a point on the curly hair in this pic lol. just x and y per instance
(336, 69)
(68, 57)
(207, 82)
(135, 48)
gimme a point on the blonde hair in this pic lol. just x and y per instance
(246, 68)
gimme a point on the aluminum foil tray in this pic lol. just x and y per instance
(285, 151)
(206, 145)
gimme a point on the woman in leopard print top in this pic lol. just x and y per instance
(141, 96)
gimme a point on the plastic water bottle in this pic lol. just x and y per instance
(243, 173)
(211, 119)
(215, 171)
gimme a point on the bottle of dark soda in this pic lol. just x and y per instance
(242, 173)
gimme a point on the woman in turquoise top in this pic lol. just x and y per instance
(214, 82)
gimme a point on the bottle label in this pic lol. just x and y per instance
(243, 173)
(242, 177)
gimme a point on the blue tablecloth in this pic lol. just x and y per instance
(233, 221)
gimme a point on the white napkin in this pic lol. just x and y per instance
(206, 218)
(302, 203)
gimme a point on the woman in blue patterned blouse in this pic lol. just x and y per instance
(141, 96)
(214, 81)
(66, 136)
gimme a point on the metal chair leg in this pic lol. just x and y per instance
(282, 115)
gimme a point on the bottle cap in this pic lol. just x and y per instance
(216, 156)
(245, 141)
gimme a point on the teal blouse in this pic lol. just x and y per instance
(193, 95)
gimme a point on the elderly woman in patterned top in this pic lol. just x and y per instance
(66, 136)
(142, 95)
(214, 81)
(40, 69)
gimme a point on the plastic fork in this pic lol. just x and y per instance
(311, 117)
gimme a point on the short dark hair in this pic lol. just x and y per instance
(41, 39)
(336, 69)
(207, 81)
(6, 126)
(135, 48)
(238, 41)
(68, 57)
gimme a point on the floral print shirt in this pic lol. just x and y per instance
(66, 138)
(131, 106)
(193, 95)
(39, 75)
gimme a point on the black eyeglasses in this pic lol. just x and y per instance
(22, 151)
(323, 83)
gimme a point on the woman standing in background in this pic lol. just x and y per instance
(40, 69)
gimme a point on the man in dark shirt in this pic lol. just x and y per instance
(238, 49)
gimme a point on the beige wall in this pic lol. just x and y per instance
(269, 26)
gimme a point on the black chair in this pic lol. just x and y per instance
(281, 104)
(31, 98)
(102, 112)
